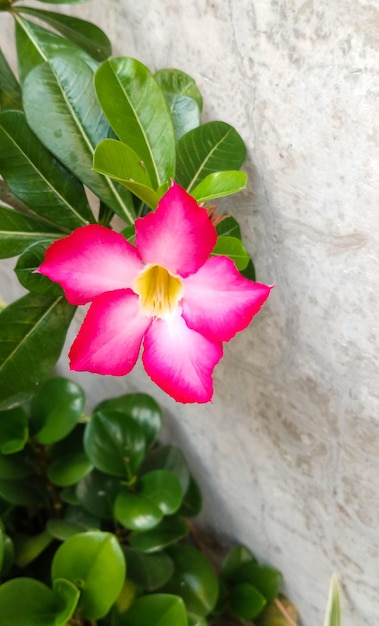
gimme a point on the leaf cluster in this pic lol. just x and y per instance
(95, 522)
(77, 120)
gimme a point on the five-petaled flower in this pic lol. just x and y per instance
(166, 292)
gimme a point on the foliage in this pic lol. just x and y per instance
(95, 522)
(333, 609)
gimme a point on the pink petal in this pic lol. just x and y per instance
(218, 302)
(180, 360)
(178, 235)
(90, 261)
(110, 337)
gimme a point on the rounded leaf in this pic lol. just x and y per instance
(169, 458)
(97, 493)
(156, 610)
(69, 463)
(94, 562)
(265, 578)
(13, 430)
(246, 601)
(234, 561)
(170, 530)
(149, 571)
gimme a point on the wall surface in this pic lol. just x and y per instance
(288, 452)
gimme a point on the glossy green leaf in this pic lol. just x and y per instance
(66, 117)
(36, 45)
(18, 232)
(40, 606)
(68, 595)
(148, 571)
(246, 601)
(193, 580)
(170, 530)
(28, 491)
(74, 521)
(10, 91)
(176, 82)
(28, 548)
(115, 443)
(192, 501)
(138, 113)
(158, 493)
(97, 493)
(156, 610)
(212, 147)
(185, 114)
(7, 554)
(38, 179)
(171, 458)
(266, 579)
(249, 271)
(55, 409)
(218, 185)
(69, 463)
(232, 248)
(18, 464)
(196, 620)
(32, 333)
(94, 562)
(85, 34)
(26, 267)
(333, 609)
(142, 408)
(13, 430)
(230, 227)
(234, 561)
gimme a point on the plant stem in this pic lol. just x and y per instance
(284, 612)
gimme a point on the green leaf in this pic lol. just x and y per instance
(176, 82)
(265, 578)
(114, 443)
(85, 34)
(32, 334)
(138, 113)
(28, 548)
(95, 563)
(97, 493)
(26, 267)
(13, 430)
(142, 408)
(28, 491)
(40, 606)
(169, 531)
(333, 610)
(55, 410)
(18, 231)
(36, 45)
(66, 117)
(75, 521)
(230, 227)
(196, 620)
(156, 610)
(148, 571)
(233, 562)
(158, 493)
(246, 601)
(63, 1)
(18, 464)
(69, 463)
(193, 580)
(249, 271)
(68, 595)
(232, 248)
(212, 147)
(10, 92)
(192, 501)
(219, 184)
(7, 554)
(38, 179)
(169, 458)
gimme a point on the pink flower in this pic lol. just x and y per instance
(166, 292)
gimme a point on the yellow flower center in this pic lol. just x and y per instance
(159, 291)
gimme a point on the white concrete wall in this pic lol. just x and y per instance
(288, 453)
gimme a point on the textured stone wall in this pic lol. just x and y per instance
(288, 452)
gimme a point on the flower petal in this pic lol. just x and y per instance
(178, 235)
(180, 360)
(90, 261)
(110, 337)
(218, 302)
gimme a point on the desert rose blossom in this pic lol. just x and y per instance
(166, 293)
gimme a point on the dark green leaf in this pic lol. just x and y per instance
(19, 464)
(28, 491)
(138, 113)
(170, 458)
(193, 580)
(156, 610)
(232, 248)
(69, 463)
(32, 333)
(97, 493)
(7, 554)
(233, 562)
(10, 92)
(149, 571)
(218, 185)
(169, 531)
(185, 114)
(142, 408)
(68, 595)
(114, 443)
(265, 578)
(176, 82)
(75, 521)
(230, 227)
(212, 147)
(246, 601)
(66, 116)
(13, 430)
(18, 232)
(28, 548)
(38, 179)
(249, 271)
(196, 620)
(95, 563)
(85, 34)
(27, 275)
(192, 501)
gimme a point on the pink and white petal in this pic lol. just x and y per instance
(218, 302)
(180, 360)
(90, 261)
(110, 337)
(178, 235)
